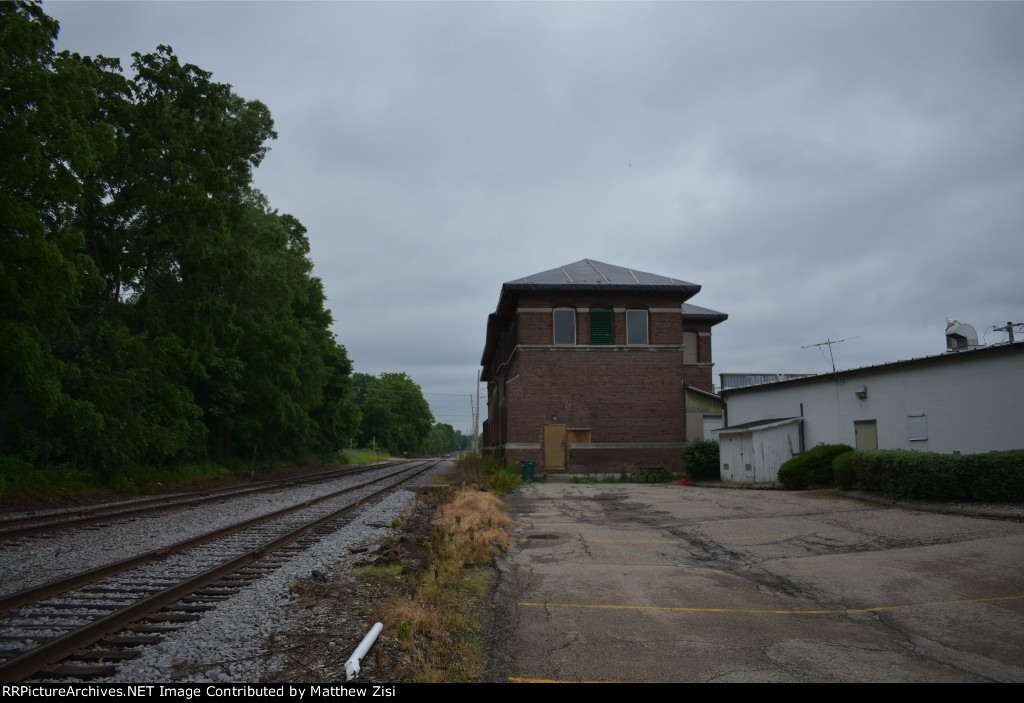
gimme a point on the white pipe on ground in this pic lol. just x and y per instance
(352, 665)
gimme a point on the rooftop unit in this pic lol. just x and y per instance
(960, 336)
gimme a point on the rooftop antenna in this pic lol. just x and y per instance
(829, 342)
(1008, 329)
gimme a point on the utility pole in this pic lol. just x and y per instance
(476, 416)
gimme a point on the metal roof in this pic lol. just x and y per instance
(701, 391)
(588, 274)
(758, 425)
(948, 357)
(697, 312)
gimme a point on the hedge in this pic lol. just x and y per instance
(844, 468)
(813, 466)
(903, 474)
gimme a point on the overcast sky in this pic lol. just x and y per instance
(822, 170)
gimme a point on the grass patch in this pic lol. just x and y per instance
(433, 614)
(428, 586)
(356, 457)
(629, 477)
(20, 481)
(485, 472)
(380, 572)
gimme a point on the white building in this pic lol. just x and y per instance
(965, 401)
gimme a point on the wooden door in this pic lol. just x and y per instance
(865, 434)
(554, 446)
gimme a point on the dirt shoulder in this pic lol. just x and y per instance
(428, 585)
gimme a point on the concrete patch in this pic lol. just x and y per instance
(660, 583)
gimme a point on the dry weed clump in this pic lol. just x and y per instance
(475, 525)
(467, 472)
(409, 618)
(435, 620)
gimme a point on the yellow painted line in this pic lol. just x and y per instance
(938, 602)
(645, 566)
(686, 610)
(616, 565)
(776, 612)
(522, 679)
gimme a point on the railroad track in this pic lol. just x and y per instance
(70, 519)
(101, 616)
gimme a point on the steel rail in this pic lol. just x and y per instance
(34, 593)
(37, 524)
(50, 653)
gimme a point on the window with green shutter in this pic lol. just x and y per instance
(600, 326)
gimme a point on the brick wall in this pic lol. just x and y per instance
(623, 395)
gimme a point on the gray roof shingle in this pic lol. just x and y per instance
(588, 274)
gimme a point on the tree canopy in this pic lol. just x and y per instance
(394, 413)
(443, 438)
(153, 305)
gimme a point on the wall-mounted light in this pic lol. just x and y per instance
(861, 392)
(554, 418)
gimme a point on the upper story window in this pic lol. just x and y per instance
(636, 327)
(600, 326)
(690, 347)
(565, 326)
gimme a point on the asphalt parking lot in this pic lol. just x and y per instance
(628, 582)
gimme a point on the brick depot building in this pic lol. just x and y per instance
(592, 367)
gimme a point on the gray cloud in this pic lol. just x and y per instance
(823, 170)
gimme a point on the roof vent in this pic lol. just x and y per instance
(960, 336)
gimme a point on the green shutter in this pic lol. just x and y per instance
(600, 326)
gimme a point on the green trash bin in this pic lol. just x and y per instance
(528, 467)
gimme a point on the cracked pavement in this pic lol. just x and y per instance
(636, 582)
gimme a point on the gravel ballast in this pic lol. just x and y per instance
(228, 645)
(230, 642)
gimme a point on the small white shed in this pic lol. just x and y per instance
(754, 451)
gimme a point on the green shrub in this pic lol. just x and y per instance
(812, 467)
(998, 476)
(504, 481)
(795, 477)
(844, 470)
(870, 468)
(700, 460)
(928, 475)
(906, 475)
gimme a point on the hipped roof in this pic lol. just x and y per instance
(588, 274)
(591, 275)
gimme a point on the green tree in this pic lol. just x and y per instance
(394, 414)
(296, 378)
(153, 307)
(440, 440)
(444, 438)
(49, 140)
